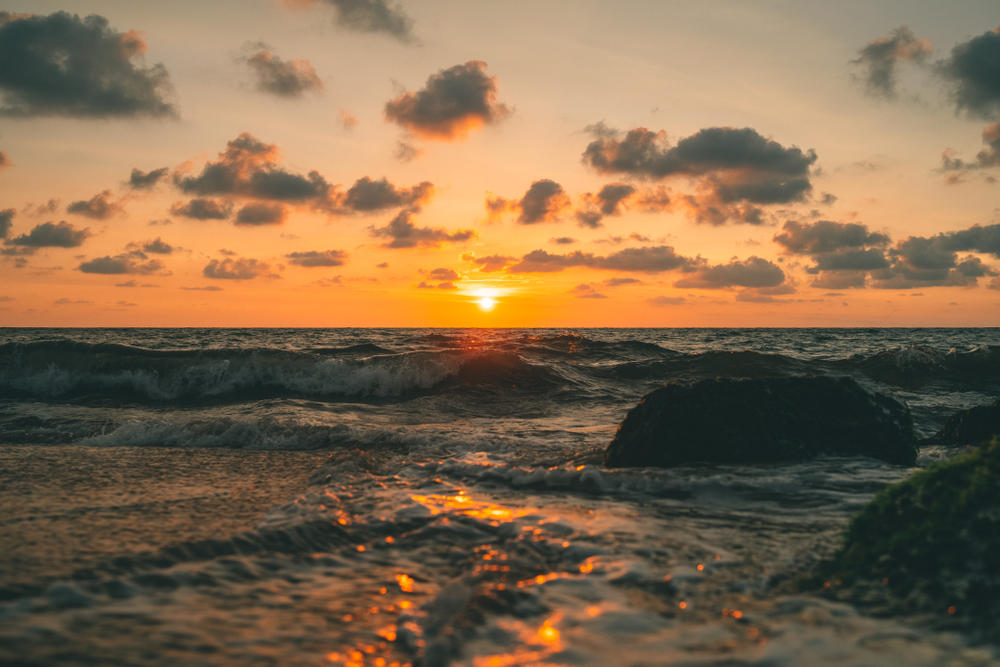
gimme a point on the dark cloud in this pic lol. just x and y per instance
(608, 201)
(49, 207)
(210, 288)
(238, 269)
(489, 263)
(618, 282)
(444, 285)
(249, 168)
(367, 16)
(878, 60)
(52, 235)
(203, 209)
(5, 162)
(6, 221)
(132, 283)
(133, 262)
(827, 199)
(586, 291)
(986, 158)
(314, 258)
(367, 195)
(453, 102)
(382, 265)
(652, 259)
(143, 180)
(262, 213)
(65, 302)
(737, 170)
(974, 70)
(406, 152)
(544, 201)
(225, 252)
(600, 130)
(442, 274)
(751, 272)
(99, 207)
(825, 236)
(293, 78)
(849, 260)
(563, 240)
(662, 301)
(158, 247)
(61, 65)
(405, 234)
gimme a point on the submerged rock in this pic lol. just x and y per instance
(933, 540)
(762, 420)
(973, 426)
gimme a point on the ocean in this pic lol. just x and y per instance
(447, 503)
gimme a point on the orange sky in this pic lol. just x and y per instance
(260, 163)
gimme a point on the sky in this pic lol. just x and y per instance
(478, 163)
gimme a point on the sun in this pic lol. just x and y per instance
(486, 303)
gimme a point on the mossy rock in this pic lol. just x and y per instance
(761, 421)
(932, 539)
(973, 426)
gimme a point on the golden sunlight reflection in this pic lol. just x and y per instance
(463, 504)
(545, 637)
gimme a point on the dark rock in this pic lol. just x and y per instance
(932, 540)
(762, 420)
(973, 426)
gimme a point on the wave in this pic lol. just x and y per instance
(70, 369)
(916, 364)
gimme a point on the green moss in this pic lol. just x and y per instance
(934, 538)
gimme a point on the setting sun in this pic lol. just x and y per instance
(486, 303)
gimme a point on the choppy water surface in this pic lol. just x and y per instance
(462, 516)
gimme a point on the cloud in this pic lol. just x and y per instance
(444, 285)
(348, 120)
(239, 269)
(825, 236)
(249, 168)
(65, 302)
(99, 207)
(618, 282)
(157, 246)
(751, 272)
(367, 16)
(849, 256)
(262, 213)
(6, 221)
(60, 65)
(126, 304)
(210, 288)
(736, 170)
(203, 209)
(879, 58)
(609, 200)
(142, 180)
(128, 283)
(293, 78)
(652, 259)
(313, 258)
(544, 201)
(986, 158)
(131, 262)
(451, 104)
(367, 195)
(405, 234)
(600, 130)
(563, 240)
(5, 162)
(489, 263)
(663, 301)
(586, 291)
(442, 274)
(52, 235)
(49, 207)
(973, 68)
(406, 152)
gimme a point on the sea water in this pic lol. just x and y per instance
(462, 515)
